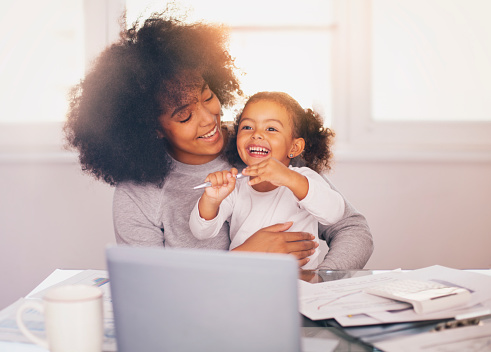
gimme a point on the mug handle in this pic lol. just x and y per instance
(36, 306)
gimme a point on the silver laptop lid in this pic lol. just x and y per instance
(203, 300)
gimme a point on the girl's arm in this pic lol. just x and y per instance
(204, 229)
(210, 212)
(324, 203)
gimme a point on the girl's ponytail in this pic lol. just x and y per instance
(318, 140)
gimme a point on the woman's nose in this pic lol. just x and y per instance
(206, 116)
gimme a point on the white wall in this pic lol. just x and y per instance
(51, 216)
(421, 213)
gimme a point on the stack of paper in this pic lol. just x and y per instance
(345, 301)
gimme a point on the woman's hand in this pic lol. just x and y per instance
(273, 239)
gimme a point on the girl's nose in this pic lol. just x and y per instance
(257, 135)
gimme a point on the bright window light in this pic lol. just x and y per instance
(41, 57)
(281, 48)
(431, 60)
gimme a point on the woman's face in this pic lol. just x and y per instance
(192, 128)
(264, 131)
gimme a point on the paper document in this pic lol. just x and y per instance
(345, 301)
(345, 297)
(99, 278)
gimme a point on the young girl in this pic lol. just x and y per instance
(272, 130)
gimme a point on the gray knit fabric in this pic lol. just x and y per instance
(145, 215)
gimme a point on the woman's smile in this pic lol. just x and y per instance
(210, 134)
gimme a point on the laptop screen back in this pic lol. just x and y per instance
(203, 300)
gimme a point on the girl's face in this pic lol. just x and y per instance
(193, 127)
(265, 130)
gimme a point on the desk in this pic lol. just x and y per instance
(326, 329)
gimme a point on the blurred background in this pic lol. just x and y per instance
(405, 84)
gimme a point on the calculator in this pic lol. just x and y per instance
(425, 296)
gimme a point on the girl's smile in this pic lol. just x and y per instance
(256, 151)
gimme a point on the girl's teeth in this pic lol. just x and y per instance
(259, 150)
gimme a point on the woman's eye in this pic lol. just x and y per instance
(212, 95)
(186, 119)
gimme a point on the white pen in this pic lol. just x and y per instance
(208, 184)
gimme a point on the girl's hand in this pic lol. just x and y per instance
(223, 183)
(278, 174)
(271, 170)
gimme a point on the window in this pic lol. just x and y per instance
(413, 77)
(436, 53)
(44, 50)
(392, 77)
(285, 48)
(41, 55)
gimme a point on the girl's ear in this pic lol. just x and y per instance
(297, 148)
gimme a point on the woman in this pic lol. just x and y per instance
(147, 119)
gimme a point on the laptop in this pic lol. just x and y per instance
(203, 300)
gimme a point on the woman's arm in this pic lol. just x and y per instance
(132, 223)
(349, 240)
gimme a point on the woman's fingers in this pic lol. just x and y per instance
(278, 227)
(273, 239)
(302, 262)
(303, 254)
(298, 236)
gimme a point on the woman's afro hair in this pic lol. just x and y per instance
(113, 115)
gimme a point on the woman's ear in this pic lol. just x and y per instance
(297, 148)
(160, 134)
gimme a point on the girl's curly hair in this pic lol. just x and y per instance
(113, 115)
(307, 124)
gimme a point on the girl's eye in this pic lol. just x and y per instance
(212, 95)
(246, 128)
(271, 129)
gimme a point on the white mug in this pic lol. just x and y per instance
(73, 319)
